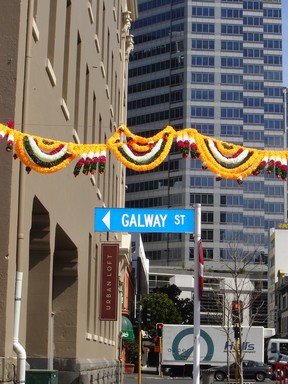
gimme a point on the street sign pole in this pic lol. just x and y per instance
(196, 345)
(165, 221)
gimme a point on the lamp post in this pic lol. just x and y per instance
(285, 146)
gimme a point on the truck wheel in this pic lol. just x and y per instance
(219, 376)
(260, 376)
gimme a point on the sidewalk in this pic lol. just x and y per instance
(149, 371)
(152, 371)
(145, 373)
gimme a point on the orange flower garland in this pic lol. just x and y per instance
(141, 154)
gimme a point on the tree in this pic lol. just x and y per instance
(239, 293)
(172, 291)
(162, 309)
(185, 307)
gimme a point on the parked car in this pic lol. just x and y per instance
(251, 370)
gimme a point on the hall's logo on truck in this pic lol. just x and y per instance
(247, 346)
(183, 354)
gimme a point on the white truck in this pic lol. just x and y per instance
(215, 345)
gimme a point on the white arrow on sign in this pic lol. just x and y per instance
(106, 219)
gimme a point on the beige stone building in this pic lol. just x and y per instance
(63, 74)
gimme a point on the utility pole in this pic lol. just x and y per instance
(285, 146)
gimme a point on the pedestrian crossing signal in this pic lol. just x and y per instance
(159, 328)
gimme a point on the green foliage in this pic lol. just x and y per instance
(131, 351)
(172, 291)
(163, 310)
(166, 307)
(184, 306)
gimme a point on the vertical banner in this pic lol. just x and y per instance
(201, 268)
(109, 282)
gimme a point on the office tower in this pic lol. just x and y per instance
(215, 66)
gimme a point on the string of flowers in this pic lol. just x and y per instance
(187, 144)
(89, 163)
(141, 154)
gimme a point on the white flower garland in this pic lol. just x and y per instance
(223, 159)
(143, 158)
(45, 156)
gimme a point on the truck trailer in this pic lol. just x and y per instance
(217, 345)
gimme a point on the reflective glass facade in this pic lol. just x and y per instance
(215, 66)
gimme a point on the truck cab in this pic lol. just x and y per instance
(277, 351)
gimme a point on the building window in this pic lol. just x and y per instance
(203, 28)
(202, 94)
(231, 13)
(202, 112)
(253, 5)
(231, 218)
(231, 62)
(231, 96)
(203, 11)
(207, 217)
(207, 234)
(227, 235)
(199, 181)
(203, 61)
(205, 129)
(231, 130)
(253, 222)
(231, 200)
(253, 36)
(273, 141)
(231, 113)
(207, 253)
(231, 79)
(231, 29)
(202, 78)
(201, 198)
(252, 21)
(203, 44)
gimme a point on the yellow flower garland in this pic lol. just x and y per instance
(141, 144)
(147, 155)
(231, 173)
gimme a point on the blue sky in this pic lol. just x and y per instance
(285, 41)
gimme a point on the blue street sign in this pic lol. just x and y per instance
(144, 220)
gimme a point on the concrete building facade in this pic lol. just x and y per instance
(281, 315)
(63, 76)
(277, 283)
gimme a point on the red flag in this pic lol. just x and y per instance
(200, 268)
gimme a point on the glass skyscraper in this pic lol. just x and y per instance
(213, 65)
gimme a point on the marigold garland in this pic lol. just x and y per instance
(141, 154)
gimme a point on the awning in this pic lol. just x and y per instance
(127, 329)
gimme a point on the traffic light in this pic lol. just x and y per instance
(159, 328)
(236, 332)
(146, 315)
(237, 312)
(156, 340)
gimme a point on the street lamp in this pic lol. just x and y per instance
(285, 146)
